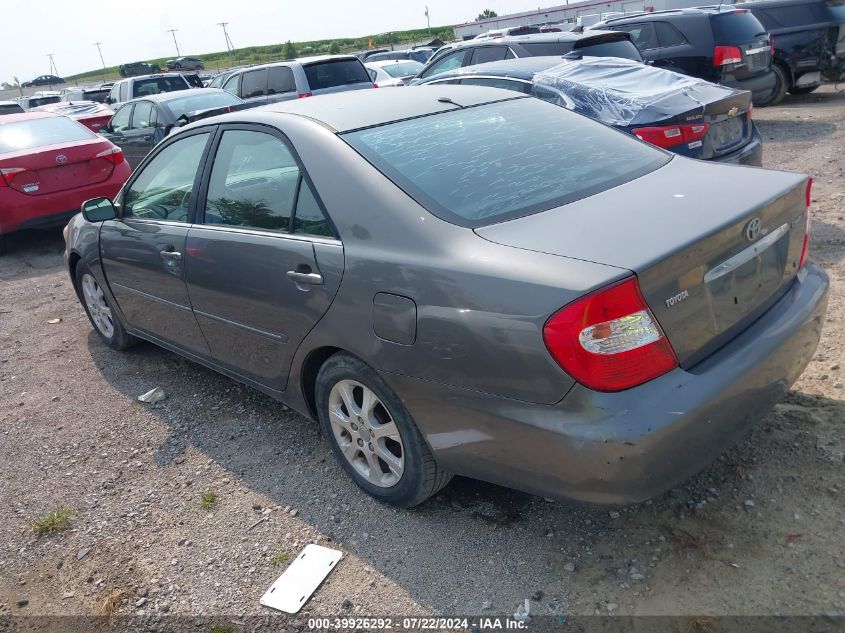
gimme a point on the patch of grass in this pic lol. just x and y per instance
(222, 629)
(208, 499)
(54, 521)
(109, 605)
(279, 559)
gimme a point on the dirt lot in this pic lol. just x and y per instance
(762, 531)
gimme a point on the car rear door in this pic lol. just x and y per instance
(281, 85)
(644, 37)
(263, 263)
(143, 250)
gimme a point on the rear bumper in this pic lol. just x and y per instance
(761, 86)
(749, 154)
(21, 211)
(628, 446)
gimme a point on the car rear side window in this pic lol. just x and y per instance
(10, 108)
(254, 84)
(485, 164)
(280, 80)
(335, 72)
(253, 182)
(484, 54)
(668, 35)
(736, 27)
(40, 133)
(643, 35)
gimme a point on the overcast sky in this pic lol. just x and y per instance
(131, 31)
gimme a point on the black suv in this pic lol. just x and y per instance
(136, 69)
(720, 44)
(809, 41)
(481, 51)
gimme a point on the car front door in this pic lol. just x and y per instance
(143, 250)
(118, 126)
(263, 263)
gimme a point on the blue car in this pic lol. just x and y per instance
(682, 114)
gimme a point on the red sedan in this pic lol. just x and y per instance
(49, 166)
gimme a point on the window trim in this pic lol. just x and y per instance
(167, 142)
(198, 214)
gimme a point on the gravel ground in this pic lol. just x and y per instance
(761, 531)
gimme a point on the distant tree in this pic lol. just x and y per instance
(289, 51)
(487, 13)
(334, 48)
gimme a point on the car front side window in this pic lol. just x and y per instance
(449, 62)
(120, 120)
(165, 186)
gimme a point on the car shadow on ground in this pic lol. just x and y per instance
(31, 253)
(793, 130)
(471, 544)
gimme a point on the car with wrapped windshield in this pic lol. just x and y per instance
(465, 280)
(688, 116)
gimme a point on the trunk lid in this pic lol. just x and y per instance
(52, 168)
(684, 230)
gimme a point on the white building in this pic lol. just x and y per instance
(590, 11)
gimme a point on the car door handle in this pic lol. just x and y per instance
(171, 255)
(315, 279)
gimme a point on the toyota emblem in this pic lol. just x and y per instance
(61, 159)
(752, 229)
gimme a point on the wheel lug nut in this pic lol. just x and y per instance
(370, 445)
(360, 442)
(354, 427)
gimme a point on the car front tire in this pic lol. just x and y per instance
(102, 315)
(373, 435)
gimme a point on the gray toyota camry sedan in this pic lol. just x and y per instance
(463, 280)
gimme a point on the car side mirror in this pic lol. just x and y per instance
(98, 210)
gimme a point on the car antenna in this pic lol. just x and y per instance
(448, 100)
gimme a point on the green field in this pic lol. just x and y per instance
(262, 54)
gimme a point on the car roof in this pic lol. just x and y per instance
(356, 109)
(556, 36)
(658, 15)
(381, 63)
(152, 76)
(26, 116)
(762, 4)
(164, 97)
(301, 60)
(518, 67)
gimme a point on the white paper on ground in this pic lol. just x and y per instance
(302, 577)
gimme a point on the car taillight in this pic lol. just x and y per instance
(609, 340)
(114, 155)
(805, 247)
(303, 95)
(375, 85)
(672, 135)
(724, 55)
(7, 174)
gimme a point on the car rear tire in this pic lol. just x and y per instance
(803, 90)
(104, 318)
(373, 436)
(782, 85)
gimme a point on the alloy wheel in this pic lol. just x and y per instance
(366, 433)
(99, 310)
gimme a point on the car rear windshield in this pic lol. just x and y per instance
(183, 105)
(335, 72)
(603, 46)
(736, 27)
(10, 108)
(402, 69)
(485, 164)
(156, 85)
(40, 132)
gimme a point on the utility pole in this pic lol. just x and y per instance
(53, 69)
(229, 46)
(428, 20)
(173, 33)
(102, 61)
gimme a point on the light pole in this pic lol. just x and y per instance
(102, 61)
(173, 33)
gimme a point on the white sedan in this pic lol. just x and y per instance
(393, 72)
